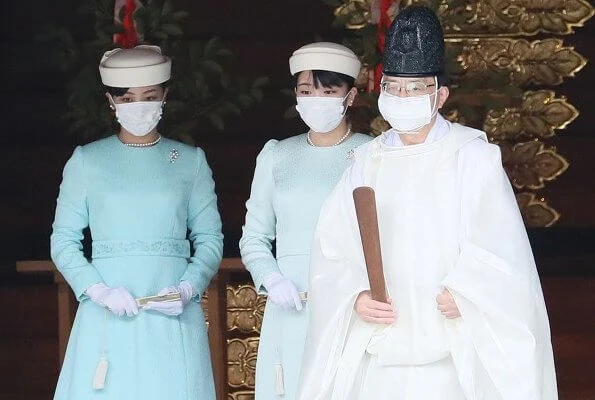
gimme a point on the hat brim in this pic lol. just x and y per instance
(412, 74)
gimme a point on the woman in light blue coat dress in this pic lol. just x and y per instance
(291, 181)
(152, 212)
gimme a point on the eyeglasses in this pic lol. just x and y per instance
(415, 88)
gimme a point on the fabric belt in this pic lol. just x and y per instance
(145, 247)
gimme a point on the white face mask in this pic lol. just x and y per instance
(139, 117)
(321, 114)
(408, 115)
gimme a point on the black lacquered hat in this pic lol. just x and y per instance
(414, 44)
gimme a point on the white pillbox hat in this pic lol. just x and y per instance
(325, 56)
(136, 67)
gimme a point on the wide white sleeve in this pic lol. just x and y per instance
(497, 290)
(337, 276)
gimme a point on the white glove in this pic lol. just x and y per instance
(118, 300)
(282, 292)
(173, 308)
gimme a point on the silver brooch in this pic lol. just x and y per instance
(173, 155)
(350, 154)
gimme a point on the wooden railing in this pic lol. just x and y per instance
(216, 299)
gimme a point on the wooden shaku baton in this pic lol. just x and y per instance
(367, 219)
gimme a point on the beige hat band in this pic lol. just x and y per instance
(327, 62)
(127, 77)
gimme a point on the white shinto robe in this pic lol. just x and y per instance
(447, 219)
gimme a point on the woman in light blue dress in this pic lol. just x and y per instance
(152, 212)
(291, 181)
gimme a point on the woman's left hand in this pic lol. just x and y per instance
(447, 305)
(173, 308)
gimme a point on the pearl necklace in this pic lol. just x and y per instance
(309, 139)
(153, 143)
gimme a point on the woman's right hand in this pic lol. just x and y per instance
(373, 311)
(118, 300)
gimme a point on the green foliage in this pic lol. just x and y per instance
(205, 92)
(201, 91)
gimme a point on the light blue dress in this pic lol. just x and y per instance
(291, 181)
(141, 205)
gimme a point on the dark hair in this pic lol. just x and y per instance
(328, 79)
(118, 91)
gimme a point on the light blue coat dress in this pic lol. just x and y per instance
(291, 181)
(141, 205)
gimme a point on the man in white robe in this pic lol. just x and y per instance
(466, 317)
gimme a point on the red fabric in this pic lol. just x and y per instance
(383, 25)
(128, 38)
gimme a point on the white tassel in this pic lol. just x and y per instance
(100, 374)
(279, 384)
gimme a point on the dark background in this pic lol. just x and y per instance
(35, 144)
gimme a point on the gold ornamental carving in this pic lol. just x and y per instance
(541, 62)
(530, 164)
(245, 309)
(241, 395)
(379, 125)
(514, 17)
(241, 362)
(539, 115)
(357, 14)
(535, 211)
(494, 18)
